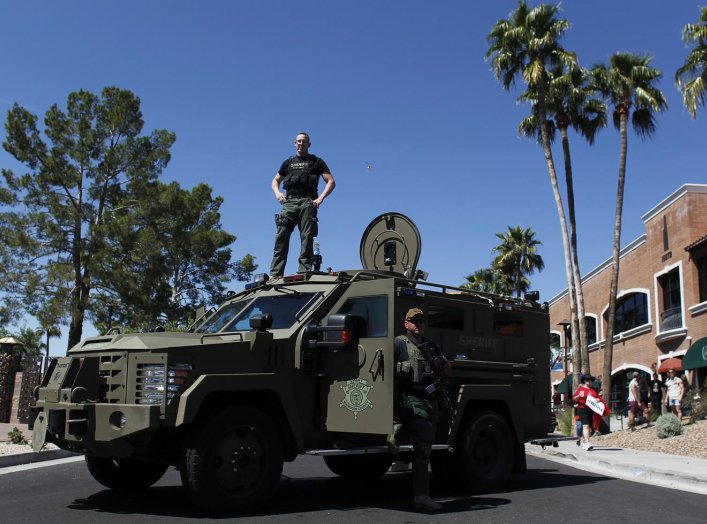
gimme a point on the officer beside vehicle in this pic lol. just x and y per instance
(420, 368)
(299, 176)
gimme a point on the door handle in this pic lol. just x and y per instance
(378, 363)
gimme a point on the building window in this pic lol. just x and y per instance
(631, 312)
(701, 264)
(591, 324)
(556, 353)
(671, 315)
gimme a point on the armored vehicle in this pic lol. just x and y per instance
(303, 365)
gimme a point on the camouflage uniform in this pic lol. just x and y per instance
(418, 413)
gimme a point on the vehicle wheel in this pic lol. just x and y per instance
(359, 467)
(232, 463)
(487, 452)
(125, 474)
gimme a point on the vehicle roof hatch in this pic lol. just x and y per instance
(391, 242)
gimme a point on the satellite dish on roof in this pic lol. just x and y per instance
(391, 242)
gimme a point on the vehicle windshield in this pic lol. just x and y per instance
(222, 317)
(234, 317)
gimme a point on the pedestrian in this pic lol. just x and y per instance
(633, 401)
(675, 392)
(583, 391)
(644, 395)
(418, 364)
(596, 385)
(656, 386)
(299, 176)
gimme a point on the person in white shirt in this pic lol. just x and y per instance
(633, 397)
(675, 393)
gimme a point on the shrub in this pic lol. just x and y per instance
(16, 437)
(668, 425)
(565, 422)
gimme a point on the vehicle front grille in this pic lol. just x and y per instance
(112, 377)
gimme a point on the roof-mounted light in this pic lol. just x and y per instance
(299, 277)
(258, 280)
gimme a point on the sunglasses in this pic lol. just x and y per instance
(416, 320)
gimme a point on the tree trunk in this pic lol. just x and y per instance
(558, 200)
(581, 326)
(609, 335)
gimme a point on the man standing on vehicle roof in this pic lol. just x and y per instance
(418, 363)
(300, 177)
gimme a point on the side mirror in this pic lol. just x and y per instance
(261, 322)
(340, 332)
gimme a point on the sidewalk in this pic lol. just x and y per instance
(28, 457)
(657, 469)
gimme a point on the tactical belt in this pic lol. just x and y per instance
(297, 195)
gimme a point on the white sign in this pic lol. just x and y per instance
(596, 405)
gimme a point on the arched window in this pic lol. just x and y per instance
(591, 323)
(631, 312)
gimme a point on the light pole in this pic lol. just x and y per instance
(565, 346)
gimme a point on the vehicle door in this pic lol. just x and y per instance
(358, 384)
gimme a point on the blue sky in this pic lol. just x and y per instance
(401, 85)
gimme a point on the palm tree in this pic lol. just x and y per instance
(691, 77)
(517, 256)
(628, 87)
(570, 102)
(489, 280)
(526, 45)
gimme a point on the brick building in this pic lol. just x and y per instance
(662, 296)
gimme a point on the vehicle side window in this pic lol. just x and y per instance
(373, 311)
(445, 317)
(507, 325)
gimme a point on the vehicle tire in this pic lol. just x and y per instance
(125, 474)
(359, 467)
(487, 452)
(232, 463)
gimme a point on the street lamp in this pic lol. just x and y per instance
(565, 347)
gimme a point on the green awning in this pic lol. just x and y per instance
(696, 356)
(565, 387)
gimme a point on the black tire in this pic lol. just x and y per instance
(232, 464)
(125, 474)
(487, 452)
(359, 467)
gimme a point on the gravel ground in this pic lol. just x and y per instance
(13, 449)
(690, 444)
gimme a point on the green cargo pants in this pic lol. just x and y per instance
(419, 420)
(295, 212)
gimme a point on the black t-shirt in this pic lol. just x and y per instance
(656, 387)
(301, 175)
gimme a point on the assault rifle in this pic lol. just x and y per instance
(440, 384)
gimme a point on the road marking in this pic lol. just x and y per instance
(35, 465)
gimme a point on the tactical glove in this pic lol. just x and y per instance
(437, 363)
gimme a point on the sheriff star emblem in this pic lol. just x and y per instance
(356, 396)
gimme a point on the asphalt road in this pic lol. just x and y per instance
(310, 493)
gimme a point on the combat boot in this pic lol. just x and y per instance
(425, 503)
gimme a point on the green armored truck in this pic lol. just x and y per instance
(303, 365)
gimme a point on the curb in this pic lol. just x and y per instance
(636, 473)
(19, 459)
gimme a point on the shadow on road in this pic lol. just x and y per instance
(305, 495)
